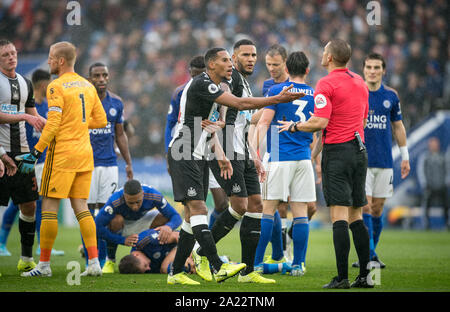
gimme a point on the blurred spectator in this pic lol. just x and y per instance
(146, 44)
(432, 172)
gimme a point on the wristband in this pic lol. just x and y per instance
(404, 152)
(2, 151)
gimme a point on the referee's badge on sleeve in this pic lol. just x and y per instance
(320, 101)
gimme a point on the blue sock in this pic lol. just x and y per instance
(368, 222)
(38, 219)
(266, 234)
(300, 234)
(377, 228)
(212, 218)
(277, 240)
(270, 268)
(101, 251)
(8, 220)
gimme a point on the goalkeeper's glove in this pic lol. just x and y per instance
(28, 161)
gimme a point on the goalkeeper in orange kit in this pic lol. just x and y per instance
(73, 109)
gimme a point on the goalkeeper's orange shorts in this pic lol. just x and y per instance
(63, 184)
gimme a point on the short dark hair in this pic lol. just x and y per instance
(375, 56)
(132, 187)
(39, 75)
(129, 265)
(197, 62)
(97, 64)
(277, 49)
(211, 54)
(4, 41)
(341, 51)
(242, 42)
(297, 63)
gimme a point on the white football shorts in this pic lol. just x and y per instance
(379, 182)
(290, 178)
(137, 226)
(104, 183)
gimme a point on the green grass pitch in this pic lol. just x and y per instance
(415, 262)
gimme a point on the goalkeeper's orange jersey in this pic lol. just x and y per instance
(73, 108)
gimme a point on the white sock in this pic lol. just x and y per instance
(26, 259)
(44, 264)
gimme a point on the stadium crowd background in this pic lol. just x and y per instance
(147, 45)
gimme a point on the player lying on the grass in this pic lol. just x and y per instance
(150, 256)
(128, 212)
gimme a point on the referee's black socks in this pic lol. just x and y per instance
(362, 245)
(341, 241)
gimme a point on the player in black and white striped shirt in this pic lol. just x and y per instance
(16, 108)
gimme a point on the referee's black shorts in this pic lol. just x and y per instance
(244, 182)
(344, 169)
(190, 178)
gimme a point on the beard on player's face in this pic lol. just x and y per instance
(242, 68)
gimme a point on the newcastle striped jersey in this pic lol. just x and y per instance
(15, 94)
(197, 103)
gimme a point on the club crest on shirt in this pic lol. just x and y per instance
(320, 101)
(386, 103)
(113, 112)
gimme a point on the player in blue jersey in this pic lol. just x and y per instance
(130, 211)
(290, 172)
(276, 66)
(105, 177)
(196, 67)
(385, 120)
(40, 80)
(149, 255)
(281, 237)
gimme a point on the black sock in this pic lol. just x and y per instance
(223, 225)
(185, 244)
(27, 230)
(250, 232)
(362, 245)
(203, 236)
(111, 249)
(341, 241)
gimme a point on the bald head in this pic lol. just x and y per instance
(65, 50)
(61, 57)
